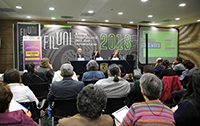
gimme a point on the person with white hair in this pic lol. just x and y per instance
(67, 88)
(79, 54)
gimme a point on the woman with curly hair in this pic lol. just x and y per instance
(46, 68)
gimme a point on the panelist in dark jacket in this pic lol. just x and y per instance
(95, 54)
(67, 88)
(32, 76)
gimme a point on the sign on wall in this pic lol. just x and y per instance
(60, 42)
(32, 50)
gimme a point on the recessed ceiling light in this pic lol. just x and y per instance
(144, 0)
(106, 20)
(182, 5)
(173, 25)
(51, 8)
(53, 18)
(28, 16)
(150, 16)
(120, 13)
(154, 24)
(82, 19)
(177, 18)
(18, 7)
(131, 22)
(90, 11)
(198, 20)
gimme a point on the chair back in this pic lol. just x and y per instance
(114, 104)
(31, 106)
(171, 83)
(178, 72)
(63, 108)
(39, 89)
(89, 82)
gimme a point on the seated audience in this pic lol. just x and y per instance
(115, 54)
(32, 76)
(177, 66)
(158, 67)
(152, 111)
(57, 76)
(14, 118)
(95, 54)
(135, 93)
(114, 85)
(167, 71)
(67, 88)
(20, 92)
(188, 110)
(124, 75)
(93, 75)
(90, 103)
(189, 66)
(79, 54)
(46, 68)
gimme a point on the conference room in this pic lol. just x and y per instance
(131, 33)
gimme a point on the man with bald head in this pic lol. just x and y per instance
(158, 67)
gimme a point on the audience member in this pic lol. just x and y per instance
(114, 85)
(188, 110)
(158, 67)
(32, 76)
(95, 54)
(67, 88)
(46, 68)
(58, 77)
(115, 54)
(167, 71)
(189, 69)
(90, 103)
(14, 118)
(135, 93)
(152, 111)
(124, 75)
(20, 92)
(93, 75)
(79, 54)
(177, 64)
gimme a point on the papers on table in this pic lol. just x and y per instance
(121, 113)
(81, 59)
(115, 58)
(14, 106)
(100, 58)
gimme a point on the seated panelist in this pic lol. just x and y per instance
(115, 54)
(95, 54)
(79, 54)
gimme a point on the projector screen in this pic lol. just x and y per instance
(162, 42)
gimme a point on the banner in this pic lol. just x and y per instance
(60, 42)
(23, 29)
(32, 50)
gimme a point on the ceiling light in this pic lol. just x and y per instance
(120, 13)
(90, 11)
(106, 20)
(182, 5)
(131, 22)
(28, 16)
(154, 24)
(53, 18)
(173, 25)
(82, 19)
(177, 18)
(150, 16)
(144, 0)
(18, 7)
(198, 20)
(51, 8)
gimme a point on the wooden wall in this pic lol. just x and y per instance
(189, 43)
